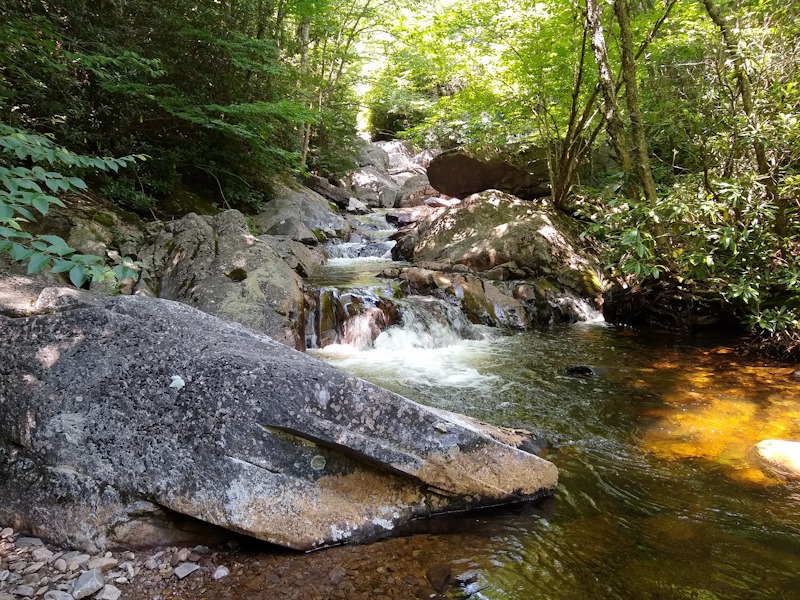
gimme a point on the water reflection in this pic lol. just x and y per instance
(658, 497)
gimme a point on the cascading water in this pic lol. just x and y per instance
(658, 496)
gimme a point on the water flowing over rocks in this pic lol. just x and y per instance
(128, 409)
(506, 261)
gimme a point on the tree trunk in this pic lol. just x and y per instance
(614, 125)
(632, 100)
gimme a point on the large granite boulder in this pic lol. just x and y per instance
(300, 213)
(456, 173)
(492, 229)
(414, 192)
(113, 410)
(215, 264)
(374, 187)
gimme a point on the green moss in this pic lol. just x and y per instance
(105, 218)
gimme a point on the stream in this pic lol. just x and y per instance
(658, 496)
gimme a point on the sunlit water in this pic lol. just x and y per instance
(658, 494)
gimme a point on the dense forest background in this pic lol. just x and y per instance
(670, 126)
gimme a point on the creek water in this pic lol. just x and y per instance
(658, 494)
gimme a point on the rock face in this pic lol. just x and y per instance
(505, 262)
(216, 265)
(779, 457)
(302, 214)
(114, 409)
(456, 173)
(414, 191)
(491, 230)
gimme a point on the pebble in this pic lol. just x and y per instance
(87, 584)
(57, 595)
(28, 542)
(43, 554)
(220, 572)
(109, 592)
(185, 569)
(6, 533)
(24, 590)
(60, 565)
(103, 563)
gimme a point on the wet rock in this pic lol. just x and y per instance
(87, 584)
(779, 458)
(257, 429)
(439, 576)
(328, 191)
(584, 371)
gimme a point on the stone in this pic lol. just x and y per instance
(439, 575)
(57, 595)
(456, 173)
(4, 574)
(33, 567)
(779, 458)
(6, 533)
(43, 554)
(109, 592)
(28, 542)
(293, 203)
(373, 187)
(220, 573)
(491, 229)
(23, 590)
(185, 569)
(87, 584)
(216, 264)
(103, 563)
(327, 190)
(262, 440)
(151, 564)
(60, 565)
(414, 192)
(400, 155)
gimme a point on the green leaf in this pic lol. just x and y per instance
(77, 276)
(6, 212)
(37, 262)
(77, 182)
(62, 266)
(41, 204)
(20, 252)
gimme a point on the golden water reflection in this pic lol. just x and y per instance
(718, 409)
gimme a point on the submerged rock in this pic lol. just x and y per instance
(261, 439)
(779, 457)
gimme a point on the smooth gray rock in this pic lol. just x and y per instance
(88, 583)
(109, 592)
(414, 191)
(185, 569)
(262, 439)
(305, 210)
(24, 590)
(218, 266)
(373, 187)
(57, 595)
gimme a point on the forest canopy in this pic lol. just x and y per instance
(670, 126)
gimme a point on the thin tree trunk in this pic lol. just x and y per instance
(632, 100)
(614, 124)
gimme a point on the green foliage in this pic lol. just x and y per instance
(25, 191)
